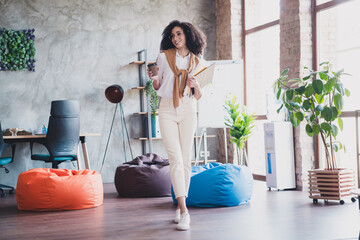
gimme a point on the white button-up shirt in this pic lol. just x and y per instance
(166, 75)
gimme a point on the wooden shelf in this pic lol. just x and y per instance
(138, 88)
(141, 62)
(145, 138)
(202, 161)
(142, 113)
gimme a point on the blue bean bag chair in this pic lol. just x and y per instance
(219, 185)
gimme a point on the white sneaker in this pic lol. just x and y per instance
(184, 223)
(177, 216)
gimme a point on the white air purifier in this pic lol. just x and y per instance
(279, 155)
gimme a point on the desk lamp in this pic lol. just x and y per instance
(115, 94)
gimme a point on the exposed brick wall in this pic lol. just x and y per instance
(224, 52)
(228, 29)
(228, 44)
(236, 29)
(223, 30)
(296, 53)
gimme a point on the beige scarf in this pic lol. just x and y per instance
(171, 58)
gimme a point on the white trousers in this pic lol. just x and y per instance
(178, 126)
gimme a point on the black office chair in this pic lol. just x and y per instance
(4, 161)
(62, 138)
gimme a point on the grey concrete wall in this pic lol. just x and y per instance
(82, 47)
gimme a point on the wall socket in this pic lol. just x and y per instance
(202, 154)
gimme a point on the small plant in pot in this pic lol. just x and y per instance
(241, 124)
(154, 101)
(317, 99)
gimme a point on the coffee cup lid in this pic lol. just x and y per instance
(152, 64)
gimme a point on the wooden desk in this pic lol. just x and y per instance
(34, 138)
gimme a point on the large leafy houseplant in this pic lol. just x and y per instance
(316, 99)
(240, 123)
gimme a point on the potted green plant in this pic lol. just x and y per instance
(154, 101)
(241, 124)
(317, 99)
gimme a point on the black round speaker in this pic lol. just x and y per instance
(114, 93)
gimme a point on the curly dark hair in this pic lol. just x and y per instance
(195, 38)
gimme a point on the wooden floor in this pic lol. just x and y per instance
(269, 215)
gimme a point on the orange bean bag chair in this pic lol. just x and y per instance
(46, 189)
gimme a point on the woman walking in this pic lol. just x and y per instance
(181, 46)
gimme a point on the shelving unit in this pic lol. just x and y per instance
(143, 100)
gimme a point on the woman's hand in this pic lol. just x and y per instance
(156, 83)
(193, 83)
(151, 75)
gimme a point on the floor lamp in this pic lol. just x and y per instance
(115, 94)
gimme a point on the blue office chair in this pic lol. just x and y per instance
(4, 161)
(62, 138)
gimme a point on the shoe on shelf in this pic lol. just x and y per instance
(184, 223)
(177, 216)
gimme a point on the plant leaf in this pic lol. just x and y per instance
(318, 86)
(323, 63)
(340, 145)
(289, 94)
(312, 118)
(309, 90)
(309, 130)
(295, 105)
(335, 113)
(319, 108)
(323, 76)
(306, 104)
(285, 71)
(347, 92)
(319, 98)
(338, 73)
(330, 84)
(278, 94)
(340, 88)
(338, 101)
(326, 127)
(299, 116)
(334, 130)
(307, 77)
(316, 128)
(300, 90)
(340, 122)
(294, 121)
(326, 113)
(297, 99)
(335, 147)
(294, 80)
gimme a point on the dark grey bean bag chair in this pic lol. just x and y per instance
(145, 176)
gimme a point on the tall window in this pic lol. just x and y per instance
(338, 41)
(262, 61)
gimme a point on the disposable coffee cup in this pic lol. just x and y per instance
(153, 68)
